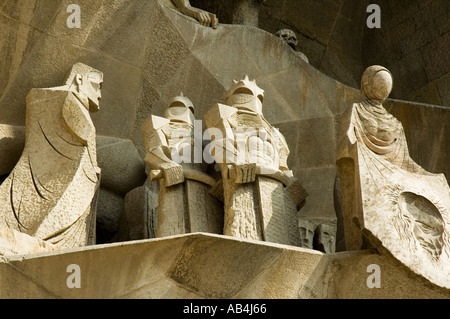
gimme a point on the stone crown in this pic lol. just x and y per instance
(246, 86)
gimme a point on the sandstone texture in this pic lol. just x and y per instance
(199, 266)
(151, 50)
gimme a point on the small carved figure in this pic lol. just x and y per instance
(317, 235)
(12, 142)
(326, 238)
(290, 38)
(184, 203)
(306, 229)
(203, 17)
(243, 12)
(386, 196)
(261, 195)
(51, 193)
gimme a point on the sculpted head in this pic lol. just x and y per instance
(376, 83)
(87, 82)
(306, 230)
(326, 238)
(288, 36)
(246, 94)
(180, 109)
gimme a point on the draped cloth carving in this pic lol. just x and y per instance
(389, 200)
(51, 193)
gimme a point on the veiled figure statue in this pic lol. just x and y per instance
(388, 199)
(51, 192)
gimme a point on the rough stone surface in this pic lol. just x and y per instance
(149, 52)
(122, 167)
(330, 33)
(140, 218)
(110, 208)
(13, 242)
(12, 142)
(199, 266)
(413, 43)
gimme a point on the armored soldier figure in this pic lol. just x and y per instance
(185, 205)
(260, 193)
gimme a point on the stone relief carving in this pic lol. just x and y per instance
(205, 18)
(412, 224)
(51, 193)
(242, 12)
(261, 195)
(395, 203)
(290, 38)
(326, 238)
(317, 235)
(306, 229)
(184, 203)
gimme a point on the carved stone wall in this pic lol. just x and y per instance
(413, 43)
(330, 33)
(149, 52)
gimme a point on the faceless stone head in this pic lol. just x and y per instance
(289, 37)
(180, 109)
(376, 83)
(87, 81)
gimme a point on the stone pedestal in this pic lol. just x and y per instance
(208, 266)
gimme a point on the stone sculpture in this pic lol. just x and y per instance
(326, 238)
(261, 195)
(306, 229)
(51, 192)
(317, 235)
(184, 203)
(242, 12)
(290, 38)
(387, 197)
(203, 17)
